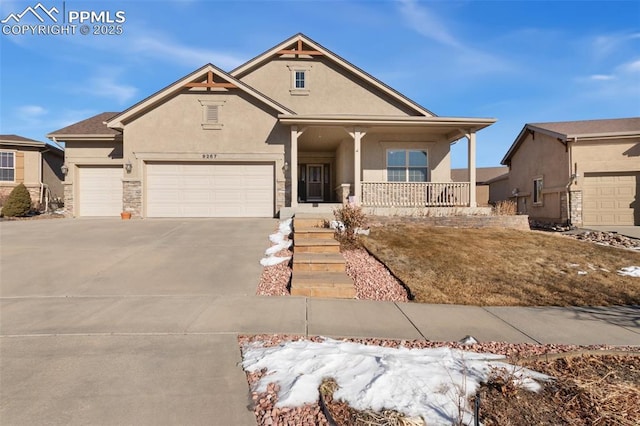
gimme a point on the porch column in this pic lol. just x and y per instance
(471, 137)
(357, 136)
(293, 167)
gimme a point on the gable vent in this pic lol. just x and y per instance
(212, 113)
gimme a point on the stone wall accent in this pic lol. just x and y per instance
(68, 200)
(132, 197)
(520, 222)
(575, 201)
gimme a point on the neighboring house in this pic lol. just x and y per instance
(36, 164)
(483, 176)
(582, 172)
(499, 189)
(293, 128)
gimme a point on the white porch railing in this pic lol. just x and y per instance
(415, 194)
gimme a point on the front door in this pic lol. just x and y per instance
(315, 180)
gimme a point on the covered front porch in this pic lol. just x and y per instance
(378, 162)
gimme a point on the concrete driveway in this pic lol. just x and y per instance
(629, 231)
(100, 320)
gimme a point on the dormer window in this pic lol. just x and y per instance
(299, 79)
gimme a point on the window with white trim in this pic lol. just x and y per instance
(537, 191)
(211, 114)
(407, 165)
(299, 79)
(7, 166)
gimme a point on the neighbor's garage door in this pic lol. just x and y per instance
(611, 198)
(210, 190)
(100, 191)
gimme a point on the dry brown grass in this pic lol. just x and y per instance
(503, 267)
(587, 390)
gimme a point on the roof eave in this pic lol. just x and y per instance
(462, 122)
(118, 121)
(55, 137)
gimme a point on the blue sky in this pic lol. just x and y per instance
(517, 61)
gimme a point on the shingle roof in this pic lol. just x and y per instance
(91, 126)
(16, 138)
(483, 174)
(587, 127)
(564, 130)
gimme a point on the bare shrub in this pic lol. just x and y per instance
(505, 208)
(353, 219)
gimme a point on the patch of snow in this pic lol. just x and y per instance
(280, 243)
(360, 231)
(630, 271)
(336, 224)
(573, 265)
(582, 272)
(429, 383)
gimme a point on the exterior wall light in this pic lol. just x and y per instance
(128, 166)
(285, 167)
(64, 169)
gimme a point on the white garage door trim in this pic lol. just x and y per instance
(610, 198)
(99, 190)
(209, 190)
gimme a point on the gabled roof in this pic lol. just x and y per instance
(301, 38)
(16, 140)
(117, 122)
(579, 130)
(92, 128)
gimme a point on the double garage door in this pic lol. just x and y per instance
(611, 199)
(209, 190)
(183, 190)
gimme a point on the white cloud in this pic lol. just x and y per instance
(601, 77)
(31, 111)
(604, 45)
(630, 67)
(427, 23)
(458, 54)
(171, 51)
(107, 87)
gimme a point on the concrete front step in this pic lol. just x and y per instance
(314, 245)
(328, 262)
(322, 284)
(308, 223)
(314, 233)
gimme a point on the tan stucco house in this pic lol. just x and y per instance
(582, 172)
(35, 164)
(295, 128)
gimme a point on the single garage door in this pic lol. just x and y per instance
(611, 199)
(100, 191)
(210, 190)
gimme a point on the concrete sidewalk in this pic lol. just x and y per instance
(175, 359)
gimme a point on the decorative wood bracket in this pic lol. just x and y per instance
(210, 84)
(298, 50)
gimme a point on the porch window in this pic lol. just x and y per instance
(537, 191)
(7, 167)
(407, 165)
